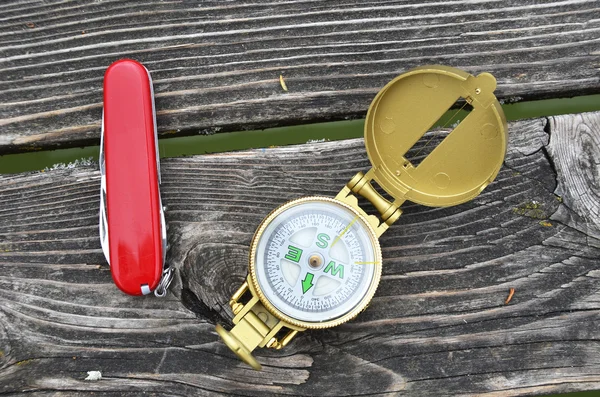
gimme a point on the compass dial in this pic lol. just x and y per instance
(316, 260)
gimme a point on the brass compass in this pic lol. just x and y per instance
(315, 262)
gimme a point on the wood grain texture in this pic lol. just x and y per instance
(438, 324)
(216, 65)
(574, 147)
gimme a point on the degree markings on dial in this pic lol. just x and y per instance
(344, 231)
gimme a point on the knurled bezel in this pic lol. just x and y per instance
(305, 324)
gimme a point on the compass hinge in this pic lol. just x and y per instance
(361, 185)
(254, 326)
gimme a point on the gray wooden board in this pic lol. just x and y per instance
(438, 324)
(216, 65)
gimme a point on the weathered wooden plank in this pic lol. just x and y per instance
(578, 170)
(438, 324)
(216, 65)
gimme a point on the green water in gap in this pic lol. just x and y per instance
(224, 142)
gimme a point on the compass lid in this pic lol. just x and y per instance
(465, 161)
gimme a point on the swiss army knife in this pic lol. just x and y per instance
(132, 220)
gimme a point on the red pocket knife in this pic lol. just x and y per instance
(132, 220)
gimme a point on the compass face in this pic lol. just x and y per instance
(316, 261)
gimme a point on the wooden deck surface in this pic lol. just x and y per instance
(216, 64)
(438, 324)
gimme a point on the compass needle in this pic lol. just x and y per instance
(306, 258)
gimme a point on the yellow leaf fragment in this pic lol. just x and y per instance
(282, 82)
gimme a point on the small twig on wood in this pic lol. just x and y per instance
(511, 292)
